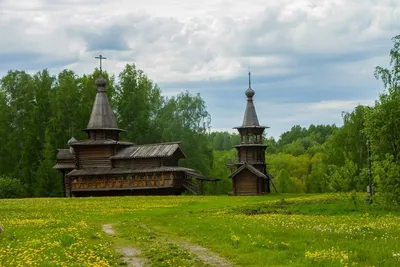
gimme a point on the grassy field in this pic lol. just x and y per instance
(301, 230)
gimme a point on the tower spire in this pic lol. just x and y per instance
(102, 123)
(250, 115)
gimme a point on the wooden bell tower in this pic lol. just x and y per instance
(250, 176)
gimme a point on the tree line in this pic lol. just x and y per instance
(327, 158)
(40, 112)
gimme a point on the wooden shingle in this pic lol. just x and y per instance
(159, 150)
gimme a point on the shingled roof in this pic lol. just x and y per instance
(65, 160)
(102, 117)
(250, 115)
(159, 150)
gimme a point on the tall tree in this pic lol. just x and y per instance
(383, 122)
(383, 128)
(185, 118)
(19, 91)
(139, 103)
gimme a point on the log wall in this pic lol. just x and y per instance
(94, 157)
(246, 183)
(138, 163)
(107, 182)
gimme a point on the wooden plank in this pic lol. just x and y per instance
(246, 183)
(121, 188)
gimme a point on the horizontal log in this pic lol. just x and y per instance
(121, 188)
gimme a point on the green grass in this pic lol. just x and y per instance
(301, 230)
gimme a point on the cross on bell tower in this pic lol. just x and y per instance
(100, 57)
(249, 79)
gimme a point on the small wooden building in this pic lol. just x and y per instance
(102, 165)
(249, 171)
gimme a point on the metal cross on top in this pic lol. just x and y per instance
(249, 79)
(100, 57)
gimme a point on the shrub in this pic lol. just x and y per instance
(12, 188)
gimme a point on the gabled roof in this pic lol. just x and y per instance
(159, 150)
(102, 117)
(251, 169)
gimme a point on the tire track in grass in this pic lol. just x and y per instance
(205, 255)
(129, 254)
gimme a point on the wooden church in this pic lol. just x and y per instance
(249, 172)
(102, 165)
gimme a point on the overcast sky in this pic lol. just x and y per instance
(310, 60)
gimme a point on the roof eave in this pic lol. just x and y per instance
(246, 166)
(258, 145)
(103, 129)
(251, 127)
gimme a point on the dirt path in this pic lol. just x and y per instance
(130, 254)
(204, 254)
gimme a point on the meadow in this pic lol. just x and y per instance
(274, 230)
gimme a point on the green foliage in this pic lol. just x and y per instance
(12, 188)
(185, 118)
(294, 134)
(138, 102)
(316, 181)
(295, 148)
(223, 140)
(387, 179)
(349, 141)
(272, 146)
(285, 183)
(307, 137)
(220, 170)
(343, 178)
(382, 128)
(48, 180)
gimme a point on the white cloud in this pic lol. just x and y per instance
(337, 105)
(317, 48)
